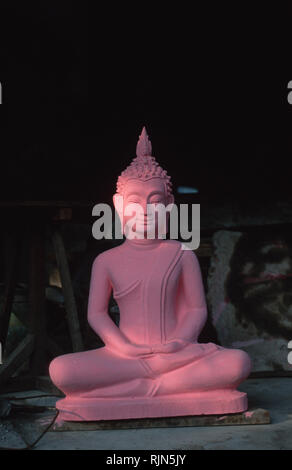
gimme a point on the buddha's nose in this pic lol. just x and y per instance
(143, 210)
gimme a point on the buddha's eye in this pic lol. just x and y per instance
(132, 201)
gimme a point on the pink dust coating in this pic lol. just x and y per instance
(152, 364)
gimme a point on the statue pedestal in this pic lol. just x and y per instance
(254, 416)
(200, 403)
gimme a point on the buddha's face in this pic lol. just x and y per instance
(139, 206)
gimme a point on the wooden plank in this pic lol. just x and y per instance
(17, 358)
(45, 384)
(11, 252)
(251, 417)
(17, 384)
(270, 373)
(29, 383)
(54, 348)
(37, 293)
(69, 298)
(51, 345)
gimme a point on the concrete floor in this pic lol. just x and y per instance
(273, 394)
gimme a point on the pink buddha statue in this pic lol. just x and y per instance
(152, 364)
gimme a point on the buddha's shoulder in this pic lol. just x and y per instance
(188, 257)
(176, 244)
(108, 257)
(172, 244)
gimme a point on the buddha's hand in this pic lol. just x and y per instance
(136, 350)
(170, 346)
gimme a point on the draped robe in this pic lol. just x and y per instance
(158, 291)
(151, 305)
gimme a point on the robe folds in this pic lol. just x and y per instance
(150, 308)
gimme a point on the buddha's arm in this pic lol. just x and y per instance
(193, 315)
(98, 317)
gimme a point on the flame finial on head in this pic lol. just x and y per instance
(144, 147)
(144, 166)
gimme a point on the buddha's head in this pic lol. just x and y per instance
(142, 188)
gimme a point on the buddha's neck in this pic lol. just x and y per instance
(143, 244)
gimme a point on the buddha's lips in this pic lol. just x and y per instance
(266, 278)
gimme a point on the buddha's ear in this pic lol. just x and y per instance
(170, 200)
(119, 204)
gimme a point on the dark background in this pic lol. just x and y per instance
(79, 84)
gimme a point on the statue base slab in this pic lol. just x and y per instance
(254, 416)
(200, 403)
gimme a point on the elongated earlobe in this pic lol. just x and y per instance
(170, 199)
(118, 201)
